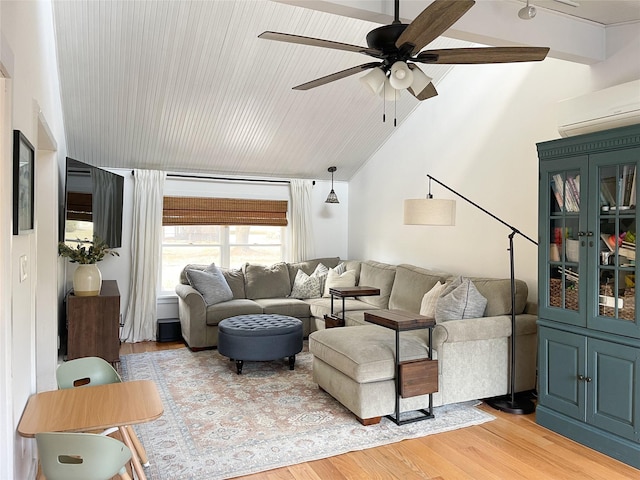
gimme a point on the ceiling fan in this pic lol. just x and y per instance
(398, 47)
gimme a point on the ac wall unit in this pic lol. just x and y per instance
(608, 108)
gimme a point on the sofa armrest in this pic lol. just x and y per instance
(470, 329)
(193, 315)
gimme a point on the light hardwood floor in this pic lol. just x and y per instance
(510, 447)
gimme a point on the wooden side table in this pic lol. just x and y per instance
(344, 292)
(416, 377)
(93, 324)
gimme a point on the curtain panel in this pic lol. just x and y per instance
(141, 315)
(302, 246)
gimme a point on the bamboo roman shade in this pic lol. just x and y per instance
(79, 206)
(223, 211)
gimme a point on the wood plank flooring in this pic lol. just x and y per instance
(510, 447)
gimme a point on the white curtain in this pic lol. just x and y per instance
(140, 319)
(302, 247)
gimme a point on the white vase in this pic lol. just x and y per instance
(87, 280)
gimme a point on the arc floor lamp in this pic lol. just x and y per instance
(430, 211)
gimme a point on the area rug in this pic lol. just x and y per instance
(217, 424)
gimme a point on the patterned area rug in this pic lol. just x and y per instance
(217, 424)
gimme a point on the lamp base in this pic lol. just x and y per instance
(519, 405)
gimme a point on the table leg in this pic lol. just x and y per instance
(137, 466)
(431, 358)
(144, 459)
(397, 377)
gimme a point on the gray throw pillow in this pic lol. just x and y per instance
(211, 284)
(305, 286)
(459, 300)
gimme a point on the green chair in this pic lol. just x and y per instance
(86, 371)
(82, 456)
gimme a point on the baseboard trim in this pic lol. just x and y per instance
(616, 447)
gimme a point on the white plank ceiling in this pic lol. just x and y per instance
(186, 86)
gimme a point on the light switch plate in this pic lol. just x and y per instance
(24, 268)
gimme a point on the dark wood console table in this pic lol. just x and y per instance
(93, 324)
(415, 377)
(344, 292)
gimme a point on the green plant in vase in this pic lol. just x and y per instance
(87, 278)
(84, 255)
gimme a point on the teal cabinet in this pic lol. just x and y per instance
(589, 335)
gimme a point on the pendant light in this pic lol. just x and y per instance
(528, 12)
(332, 198)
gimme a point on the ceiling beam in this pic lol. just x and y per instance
(489, 22)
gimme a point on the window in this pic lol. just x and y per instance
(207, 239)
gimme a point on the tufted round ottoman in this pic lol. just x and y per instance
(260, 337)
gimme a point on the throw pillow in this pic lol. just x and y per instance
(341, 268)
(305, 286)
(321, 272)
(347, 279)
(261, 281)
(211, 284)
(430, 299)
(460, 299)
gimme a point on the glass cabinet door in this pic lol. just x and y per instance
(563, 259)
(614, 242)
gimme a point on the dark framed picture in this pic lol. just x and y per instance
(23, 184)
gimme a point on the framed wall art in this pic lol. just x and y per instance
(23, 184)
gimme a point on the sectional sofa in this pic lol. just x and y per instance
(472, 353)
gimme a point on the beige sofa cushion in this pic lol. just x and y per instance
(235, 279)
(262, 281)
(218, 312)
(410, 285)
(364, 353)
(378, 275)
(284, 306)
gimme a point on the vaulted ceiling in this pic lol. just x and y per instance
(187, 86)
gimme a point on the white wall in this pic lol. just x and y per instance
(28, 42)
(329, 222)
(481, 142)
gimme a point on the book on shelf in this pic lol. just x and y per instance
(619, 192)
(558, 191)
(628, 173)
(567, 192)
(630, 253)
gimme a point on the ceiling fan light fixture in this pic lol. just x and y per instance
(374, 80)
(401, 76)
(388, 92)
(527, 12)
(420, 79)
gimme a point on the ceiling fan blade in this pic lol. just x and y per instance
(427, 92)
(482, 55)
(336, 76)
(432, 22)
(318, 42)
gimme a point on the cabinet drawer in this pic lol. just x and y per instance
(418, 378)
